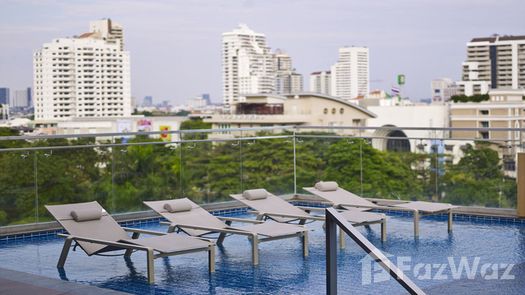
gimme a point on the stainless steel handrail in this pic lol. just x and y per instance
(334, 219)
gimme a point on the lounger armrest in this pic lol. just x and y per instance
(165, 223)
(320, 218)
(143, 231)
(239, 219)
(212, 229)
(107, 243)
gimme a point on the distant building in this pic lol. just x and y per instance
(85, 76)
(110, 31)
(247, 64)
(206, 98)
(148, 101)
(442, 90)
(493, 62)
(20, 99)
(321, 82)
(4, 95)
(287, 80)
(350, 75)
(294, 109)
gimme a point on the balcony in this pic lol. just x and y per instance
(385, 165)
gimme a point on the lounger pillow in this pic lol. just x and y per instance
(177, 206)
(255, 194)
(80, 215)
(326, 186)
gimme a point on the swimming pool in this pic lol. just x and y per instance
(489, 248)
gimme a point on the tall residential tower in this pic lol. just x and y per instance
(85, 76)
(247, 64)
(493, 62)
(350, 75)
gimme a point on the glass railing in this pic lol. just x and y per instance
(122, 170)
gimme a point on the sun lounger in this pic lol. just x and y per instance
(95, 231)
(196, 221)
(267, 205)
(341, 198)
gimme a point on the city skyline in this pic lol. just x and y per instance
(176, 47)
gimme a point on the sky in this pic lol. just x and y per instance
(175, 46)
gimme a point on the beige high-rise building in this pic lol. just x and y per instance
(110, 31)
(493, 62)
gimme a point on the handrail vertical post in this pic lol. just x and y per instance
(294, 166)
(331, 256)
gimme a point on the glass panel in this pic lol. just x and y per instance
(268, 163)
(17, 187)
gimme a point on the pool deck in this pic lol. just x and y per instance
(20, 283)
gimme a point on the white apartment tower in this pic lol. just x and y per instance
(493, 62)
(350, 75)
(84, 76)
(247, 65)
(321, 82)
(109, 30)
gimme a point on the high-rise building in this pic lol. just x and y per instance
(108, 30)
(442, 90)
(321, 82)
(148, 101)
(493, 62)
(20, 99)
(350, 75)
(247, 64)
(287, 80)
(84, 76)
(4, 95)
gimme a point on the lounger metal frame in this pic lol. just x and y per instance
(150, 252)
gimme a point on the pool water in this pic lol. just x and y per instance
(488, 248)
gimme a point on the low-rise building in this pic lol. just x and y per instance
(307, 109)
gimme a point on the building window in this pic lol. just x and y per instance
(341, 111)
(484, 124)
(484, 112)
(325, 111)
(333, 111)
(484, 134)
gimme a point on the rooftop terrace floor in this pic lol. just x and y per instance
(283, 270)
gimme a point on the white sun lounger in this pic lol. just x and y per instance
(270, 206)
(196, 221)
(341, 198)
(95, 231)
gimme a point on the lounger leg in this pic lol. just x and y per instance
(211, 258)
(341, 238)
(130, 251)
(171, 228)
(416, 223)
(305, 244)
(383, 230)
(449, 220)
(65, 252)
(255, 249)
(151, 266)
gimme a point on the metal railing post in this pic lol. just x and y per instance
(331, 255)
(294, 166)
(334, 219)
(520, 178)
